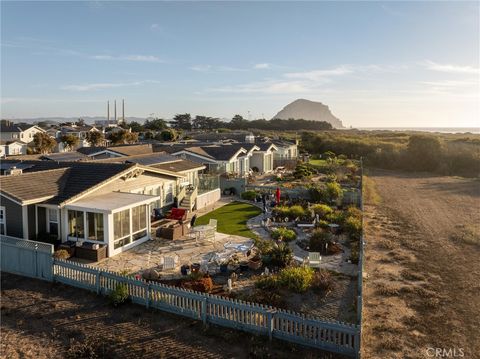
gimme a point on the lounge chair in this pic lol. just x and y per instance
(314, 259)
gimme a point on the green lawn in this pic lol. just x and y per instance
(232, 218)
(317, 162)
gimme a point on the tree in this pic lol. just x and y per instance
(182, 121)
(424, 152)
(135, 126)
(155, 124)
(239, 123)
(80, 122)
(44, 143)
(95, 138)
(130, 137)
(122, 137)
(70, 141)
(168, 135)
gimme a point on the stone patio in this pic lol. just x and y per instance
(149, 255)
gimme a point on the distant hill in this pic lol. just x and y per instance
(309, 110)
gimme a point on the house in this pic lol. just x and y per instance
(23, 132)
(192, 187)
(286, 150)
(262, 158)
(79, 131)
(12, 148)
(98, 203)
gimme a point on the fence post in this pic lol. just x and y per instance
(97, 282)
(204, 310)
(270, 324)
(147, 293)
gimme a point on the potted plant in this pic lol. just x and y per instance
(255, 262)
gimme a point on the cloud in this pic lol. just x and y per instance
(104, 85)
(268, 87)
(456, 69)
(261, 66)
(139, 58)
(317, 75)
(212, 68)
(154, 27)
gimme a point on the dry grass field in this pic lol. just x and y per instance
(422, 262)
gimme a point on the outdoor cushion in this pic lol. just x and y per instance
(178, 214)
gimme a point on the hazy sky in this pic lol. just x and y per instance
(374, 63)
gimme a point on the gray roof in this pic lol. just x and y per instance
(179, 166)
(60, 184)
(90, 150)
(65, 156)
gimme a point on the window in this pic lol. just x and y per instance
(3, 221)
(139, 218)
(121, 228)
(53, 221)
(95, 226)
(76, 224)
(169, 193)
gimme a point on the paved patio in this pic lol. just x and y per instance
(150, 255)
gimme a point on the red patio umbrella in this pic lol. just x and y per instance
(277, 195)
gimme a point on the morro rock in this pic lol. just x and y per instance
(309, 110)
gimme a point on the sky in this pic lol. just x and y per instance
(375, 64)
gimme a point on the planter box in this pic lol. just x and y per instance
(87, 252)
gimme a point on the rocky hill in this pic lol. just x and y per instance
(309, 110)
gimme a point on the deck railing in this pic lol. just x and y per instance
(333, 336)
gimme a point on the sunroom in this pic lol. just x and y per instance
(117, 220)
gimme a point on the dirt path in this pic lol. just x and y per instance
(45, 320)
(423, 284)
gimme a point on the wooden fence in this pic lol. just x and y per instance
(333, 336)
(27, 258)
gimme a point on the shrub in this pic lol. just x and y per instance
(268, 282)
(333, 191)
(280, 255)
(249, 195)
(319, 239)
(205, 284)
(323, 280)
(284, 234)
(355, 247)
(353, 227)
(337, 217)
(303, 171)
(297, 279)
(61, 254)
(119, 295)
(322, 210)
(296, 211)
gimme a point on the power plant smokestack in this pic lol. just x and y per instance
(115, 111)
(123, 110)
(108, 111)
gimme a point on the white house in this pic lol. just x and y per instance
(11, 148)
(10, 131)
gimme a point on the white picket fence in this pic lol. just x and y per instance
(333, 336)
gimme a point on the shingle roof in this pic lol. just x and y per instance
(65, 156)
(60, 184)
(90, 150)
(131, 150)
(32, 165)
(179, 166)
(145, 160)
(36, 185)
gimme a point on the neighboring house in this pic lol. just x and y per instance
(237, 136)
(285, 150)
(103, 203)
(12, 148)
(10, 131)
(81, 132)
(262, 159)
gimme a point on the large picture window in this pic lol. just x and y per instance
(95, 226)
(76, 224)
(139, 218)
(121, 228)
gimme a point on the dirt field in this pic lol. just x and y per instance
(423, 266)
(45, 320)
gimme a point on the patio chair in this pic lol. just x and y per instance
(169, 262)
(314, 259)
(213, 223)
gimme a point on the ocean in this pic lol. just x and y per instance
(475, 130)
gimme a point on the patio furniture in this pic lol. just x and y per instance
(89, 251)
(69, 246)
(314, 259)
(169, 262)
(172, 230)
(178, 214)
(213, 223)
(204, 233)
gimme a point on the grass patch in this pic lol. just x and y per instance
(232, 218)
(317, 162)
(369, 191)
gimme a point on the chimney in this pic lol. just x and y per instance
(13, 171)
(108, 111)
(115, 109)
(123, 110)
